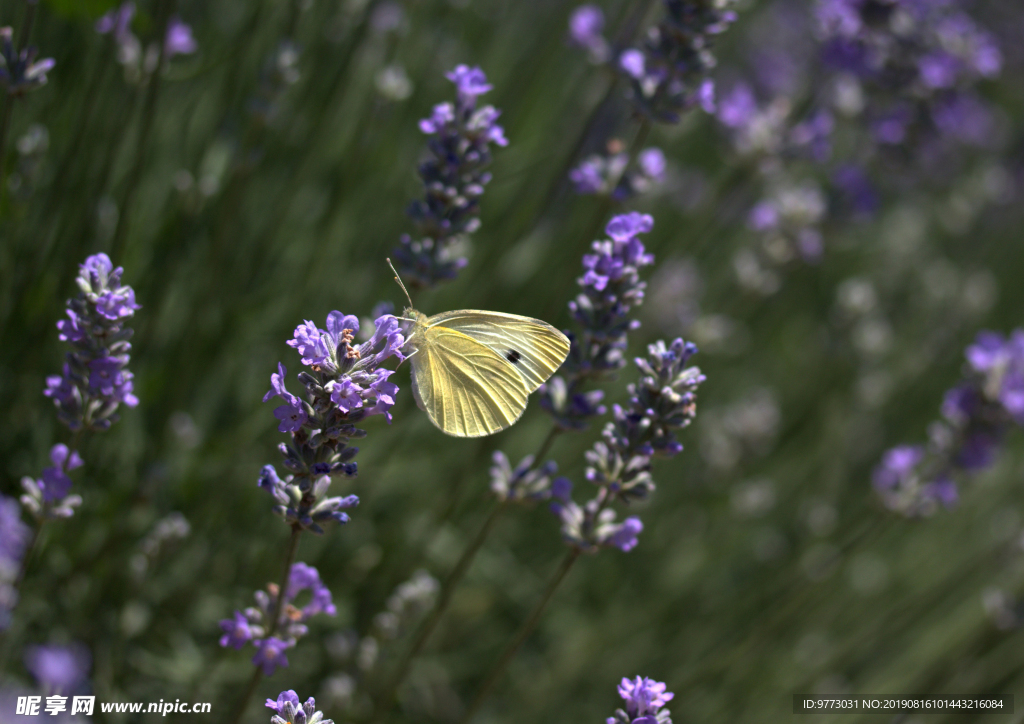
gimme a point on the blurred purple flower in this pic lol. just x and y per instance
(237, 631)
(270, 654)
(55, 483)
(59, 669)
(914, 480)
(179, 40)
(669, 75)
(585, 31)
(20, 71)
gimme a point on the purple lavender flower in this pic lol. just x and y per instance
(48, 498)
(20, 71)
(661, 403)
(270, 654)
(598, 174)
(645, 701)
(454, 178)
(522, 483)
(611, 287)
(117, 23)
(911, 58)
(179, 40)
(585, 31)
(237, 632)
(59, 669)
(288, 710)
(592, 527)
(670, 74)
(254, 623)
(14, 537)
(976, 413)
(95, 379)
(345, 384)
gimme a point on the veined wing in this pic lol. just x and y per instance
(464, 387)
(535, 348)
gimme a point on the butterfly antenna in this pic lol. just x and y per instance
(399, 280)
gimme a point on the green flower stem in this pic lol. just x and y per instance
(386, 700)
(525, 630)
(257, 674)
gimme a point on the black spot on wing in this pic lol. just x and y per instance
(513, 356)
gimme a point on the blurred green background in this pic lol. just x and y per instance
(766, 567)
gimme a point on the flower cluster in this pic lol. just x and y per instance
(139, 63)
(49, 498)
(14, 536)
(916, 479)
(661, 403)
(256, 623)
(454, 178)
(95, 380)
(522, 483)
(20, 71)
(918, 61)
(670, 74)
(611, 287)
(345, 383)
(289, 711)
(609, 174)
(645, 701)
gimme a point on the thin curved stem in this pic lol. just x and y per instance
(257, 674)
(387, 699)
(545, 447)
(524, 631)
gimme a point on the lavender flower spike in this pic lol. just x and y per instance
(95, 380)
(915, 480)
(611, 287)
(48, 498)
(670, 74)
(454, 177)
(645, 701)
(20, 72)
(289, 711)
(345, 384)
(253, 624)
(661, 403)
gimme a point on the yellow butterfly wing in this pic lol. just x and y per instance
(534, 348)
(466, 389)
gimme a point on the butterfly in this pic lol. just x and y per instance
(472, 370)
